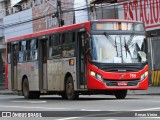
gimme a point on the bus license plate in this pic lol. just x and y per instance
(122, 83)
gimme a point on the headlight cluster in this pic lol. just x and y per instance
(96, 75)
(143, 76)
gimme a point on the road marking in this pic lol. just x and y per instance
(152, 117)
(156, 101)
(147, 109)
(70, 118)
(29, 101)
(111, 119)
(89, 110)
(35, 107)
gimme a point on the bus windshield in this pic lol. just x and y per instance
(118, 48)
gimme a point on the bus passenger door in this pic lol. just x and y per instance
(81, 60)
(14, 60)
(43, 63)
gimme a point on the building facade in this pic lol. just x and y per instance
(20, 17)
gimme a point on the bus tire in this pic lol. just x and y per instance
(69, 91)
(120, 94)
(25, 89)
(63, 94)
(29, 94)
(35, 94)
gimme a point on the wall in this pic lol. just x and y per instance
(81, 16)
(45, 12)
(1, 28)
(68, 15)
(14, 28)
(104, 11)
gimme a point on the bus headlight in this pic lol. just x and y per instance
(96, 75)
(143, 76)
(92, 73)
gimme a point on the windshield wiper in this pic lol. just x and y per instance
(130, 39)
(114, 43)
(126, 48)
(116, 46)
(110, 39)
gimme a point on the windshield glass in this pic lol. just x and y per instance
(118, 48)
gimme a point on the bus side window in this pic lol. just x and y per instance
(22, 51)
(28, 50)
(54, 46)
(15, 53)
(32, 53)
(68, 45)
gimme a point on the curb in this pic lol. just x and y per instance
(3, 92)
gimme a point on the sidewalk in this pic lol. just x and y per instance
(4, 91)
(151, 91)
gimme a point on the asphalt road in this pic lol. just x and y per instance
(134, 107)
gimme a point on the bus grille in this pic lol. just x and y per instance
(121, 68)
(129, 83)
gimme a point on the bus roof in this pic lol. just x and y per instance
(64, 28)
(50, 31)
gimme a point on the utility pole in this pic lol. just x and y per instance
(58, 11)
(60, 20)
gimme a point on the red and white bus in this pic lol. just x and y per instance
(94, 57)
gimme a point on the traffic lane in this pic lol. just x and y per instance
(85, 103)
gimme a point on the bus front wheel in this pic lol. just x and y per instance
(70, 92)
(120, 94)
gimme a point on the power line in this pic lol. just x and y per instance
(64, 11)
(102, 6)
